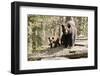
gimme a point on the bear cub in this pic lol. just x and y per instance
(54, 42)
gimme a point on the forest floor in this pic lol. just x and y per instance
(80, 50)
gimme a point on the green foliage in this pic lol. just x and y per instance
(82, 25)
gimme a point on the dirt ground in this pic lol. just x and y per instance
(80, 50)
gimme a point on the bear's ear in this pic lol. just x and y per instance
(62, 25)
(63, 28)
(48, 37)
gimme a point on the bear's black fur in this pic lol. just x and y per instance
(69, 34)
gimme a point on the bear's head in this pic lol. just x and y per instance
(67, 28)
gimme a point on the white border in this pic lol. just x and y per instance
(26, 65)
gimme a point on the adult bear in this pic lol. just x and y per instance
(69, 34)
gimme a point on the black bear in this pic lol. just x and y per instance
(69, 34)
(54, 42)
